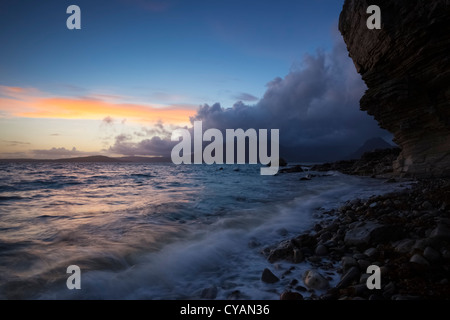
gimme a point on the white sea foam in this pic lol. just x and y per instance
(158, 231)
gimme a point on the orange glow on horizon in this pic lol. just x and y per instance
(23, 102)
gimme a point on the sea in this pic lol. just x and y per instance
(156, 230)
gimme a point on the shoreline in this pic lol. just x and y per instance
(405, 233)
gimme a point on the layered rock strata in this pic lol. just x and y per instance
(406, 67)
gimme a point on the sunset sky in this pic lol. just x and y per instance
(137, 69)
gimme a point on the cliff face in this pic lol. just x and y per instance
(406, 67)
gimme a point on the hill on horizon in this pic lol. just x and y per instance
(98, 158)
(370, 145)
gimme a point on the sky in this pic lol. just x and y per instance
(138, 69)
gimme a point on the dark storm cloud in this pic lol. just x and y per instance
(155, 146)
(316, 109)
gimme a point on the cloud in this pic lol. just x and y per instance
(108, 120)
(316, 108)
(55, 153)
(245, 97)
(154, 146)
(31, 103)
(14, 143)
(157, 141)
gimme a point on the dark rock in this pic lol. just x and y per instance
(235, 295)
(348, 262)
(282, 162)
(360, 256)
(305, 240)
(314, 259)
(446, 254)
(363, 264)
(269, 277)
(417, 258)
(293, 282)
(301, 288)
(321, 250)
(440, 232)
(283, 251)
(389, 290)
(209, 293)
(298, 256)
(289, 295)
(359, 289)
(405, 67)
(427, 205)
(361, 234)
(404, 246)
(376, 296)
(404, 297)
(331, 294)
(363, 278)
(371, 232)
(349, 277)
(431, 255)
(297, 168)
(371, 252)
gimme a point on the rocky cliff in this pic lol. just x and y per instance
(406, 67)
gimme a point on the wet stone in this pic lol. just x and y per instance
(269, 277)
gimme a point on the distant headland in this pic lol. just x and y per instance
(91, 159)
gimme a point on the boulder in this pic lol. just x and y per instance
(209, 293)
(347, 279)
(289, 295)
(268, 277)
(417, 258)
(283, 251)
(321, 250)
(440, 232)
(314, 280)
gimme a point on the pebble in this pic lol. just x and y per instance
(289, 295)
(269, 277)
(351, 275)
(417, 258)
(359, 256)
(431, 255)
(405, 245)
(363, 264)
(314, 280)
(427, 205)
(348, 262)
(371, 252)
(298, 256)
(209, 293)
(321, 250)
(440, 232)
(363, 278)
(387, 231)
